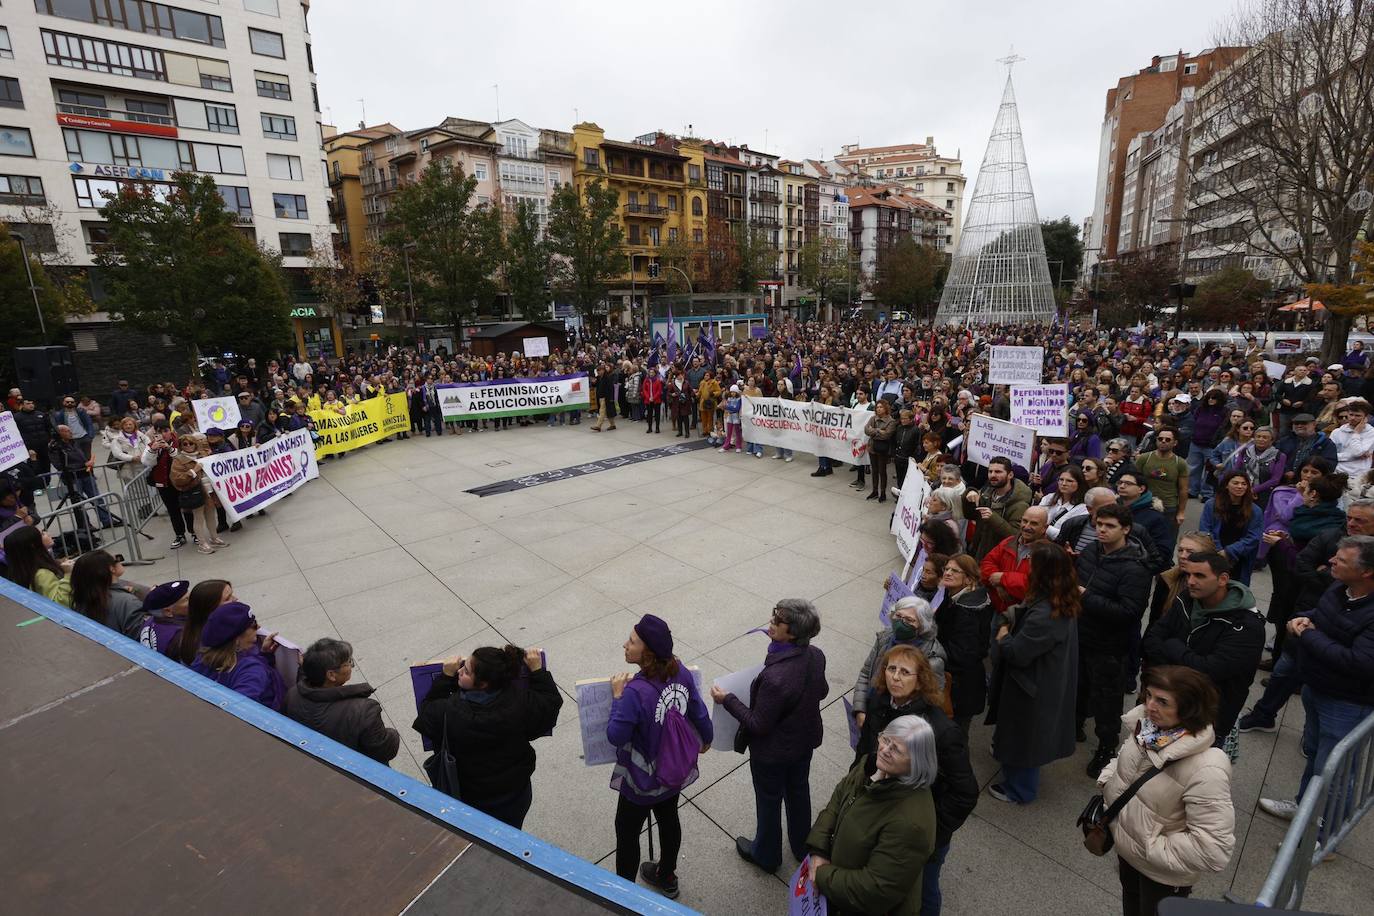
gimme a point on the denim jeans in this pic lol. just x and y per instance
(83, 487)
(1283, 683)
(822, 463)
(774, 785)
(1328, 721)
(1197, 456)
(931, 898)
(1022, 784)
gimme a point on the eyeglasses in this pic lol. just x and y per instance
(898, 669)
(1114, 448)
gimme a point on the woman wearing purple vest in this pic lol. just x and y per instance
(641, 705)
(165, 606)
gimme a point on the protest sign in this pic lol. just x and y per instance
(1043, 408)
(594, 714)
(910, 510)
(1274, 370)
(514, 397)
(724, 725)
(896, 589)
(216, 412)
(287, 658)
(854, 729)
(12, 448)
(1284, 346)
(360, 424)
(424, 674)
(804, 898)
(988, 437)
(254, 478)
(1016, 366)
(815, 428)
(536, 346)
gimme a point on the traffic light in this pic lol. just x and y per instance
(653, 270)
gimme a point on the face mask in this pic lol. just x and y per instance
(902, 630)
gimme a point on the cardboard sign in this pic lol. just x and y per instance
(12, 448)
(1043, 408)
(803, 897)
(536, 346)
(594, 715)
(1016, 366)
(1274, 370)
(910, 510)
(854, 730)
(989, 437)
(216, 412)
(723, 725)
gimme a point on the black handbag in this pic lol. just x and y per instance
(1097, 839)
(741, 744)
(193, 498)
(442, 767)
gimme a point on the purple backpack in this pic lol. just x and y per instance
(1283, 501)
(675, 765)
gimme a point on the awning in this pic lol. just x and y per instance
(1303, 305)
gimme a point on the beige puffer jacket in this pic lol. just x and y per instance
(1180, 824)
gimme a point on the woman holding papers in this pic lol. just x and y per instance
(781, 726)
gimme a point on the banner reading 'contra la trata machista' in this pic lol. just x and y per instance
(832, 432)
(513, 397)
(254, 478)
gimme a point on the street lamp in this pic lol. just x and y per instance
(33, 290)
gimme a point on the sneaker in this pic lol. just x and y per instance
(722, 449)
(664, 884)
(998, 792)
(1282, 808)
(787, 459)
(217, 542)
(204, 548)
(777, 457)
(178, 543)
(1254, 722)
(1100, 759)
(758, 454)
(738, 450)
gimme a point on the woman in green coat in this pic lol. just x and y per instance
(871, 842)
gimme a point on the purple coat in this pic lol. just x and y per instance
(254, 676)
(1208, 422)
(783, 717)
(636, 727)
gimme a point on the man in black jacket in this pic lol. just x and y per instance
(35, 430)
(1215, 630)
(325, 701)
(905, 443)
(1115, 582)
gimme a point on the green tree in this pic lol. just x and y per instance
(527, 263)
(335, 279)
(722, 258)
(757, 258)
(454, 246)
(1062, 244)
(18, 315)
(1136, 286)
(585, 237)
(176, 264)
(824, 267)
(1232, 295)
(907, 275)
(688, 257)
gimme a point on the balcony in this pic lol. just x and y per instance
(116, 114)
(384, 186)
(529, 155)
(764, 197)
(646, 211)
(771, 222)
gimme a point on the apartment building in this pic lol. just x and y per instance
(832, 200)
(99, 93)
(879, 217)
(918, 167)
(344, 160)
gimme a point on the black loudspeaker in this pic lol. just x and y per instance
(45, 374)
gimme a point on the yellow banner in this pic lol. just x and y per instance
(362, 424)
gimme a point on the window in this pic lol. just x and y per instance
(289, 206)
(10, 96)
(424, 144)
(22, 190)
(591, 158)
(284, 167)
(693, 172)
(93, 193)
(309, 59)
(140, 16)
(672, 203)
(479, 171)
(80, 53)
(6, 49)
(942, 170)
(266, 7)
(696, 206)
(949, 205)
(1190, 68)
(294, 244)
(236, 201)
(949, 187)
(672, 233)
(315, 95)
(696, 236)
(278, 127)
(222, 119)
(268, 44)
(15, 141)
(653, 235)
(273, 86)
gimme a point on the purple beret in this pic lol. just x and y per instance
(225, 623)
(656, 636)
(165, 595)
(214, 431)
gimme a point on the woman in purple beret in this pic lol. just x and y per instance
(230, 655)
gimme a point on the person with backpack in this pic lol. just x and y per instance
(659, 725)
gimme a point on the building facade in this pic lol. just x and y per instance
(879, 217)
(918, 167)
(99, 94)
(344, 159)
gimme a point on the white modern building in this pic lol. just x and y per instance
(96, 93)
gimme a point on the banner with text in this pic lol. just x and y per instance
(1016, 366)
(253, 478)
(988, 437)
(1043, 408)
(216, 412)
(514, 397)
(360, 424)
(911, 510)
(830, 432)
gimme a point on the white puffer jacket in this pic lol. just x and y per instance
(1181, 823)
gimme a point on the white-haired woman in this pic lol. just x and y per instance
(913, 624)
(871, 859)
(941, 505)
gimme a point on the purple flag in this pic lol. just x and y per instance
(672, 335)
(795, 375)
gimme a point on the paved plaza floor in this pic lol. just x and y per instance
(386, 551)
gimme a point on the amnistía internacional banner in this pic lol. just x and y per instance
(513, 397)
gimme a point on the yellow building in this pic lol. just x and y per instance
(660, 182)
(344, 154)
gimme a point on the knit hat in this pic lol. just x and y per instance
(225, 623)
(657, 638)
(165, 595)
(214, 431)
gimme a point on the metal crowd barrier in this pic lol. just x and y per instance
(1333, 804)
(77, 527)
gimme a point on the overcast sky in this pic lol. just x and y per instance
(796, 79)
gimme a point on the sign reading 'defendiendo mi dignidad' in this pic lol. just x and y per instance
(513, 397)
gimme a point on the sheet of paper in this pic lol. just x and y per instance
(724, 725)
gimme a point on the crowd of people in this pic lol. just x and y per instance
(1042, 595)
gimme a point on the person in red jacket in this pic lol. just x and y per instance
(1006, 568)
(1138, 409)
(651, 395)
(162, 447)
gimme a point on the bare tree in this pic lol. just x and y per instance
(1286, 138)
